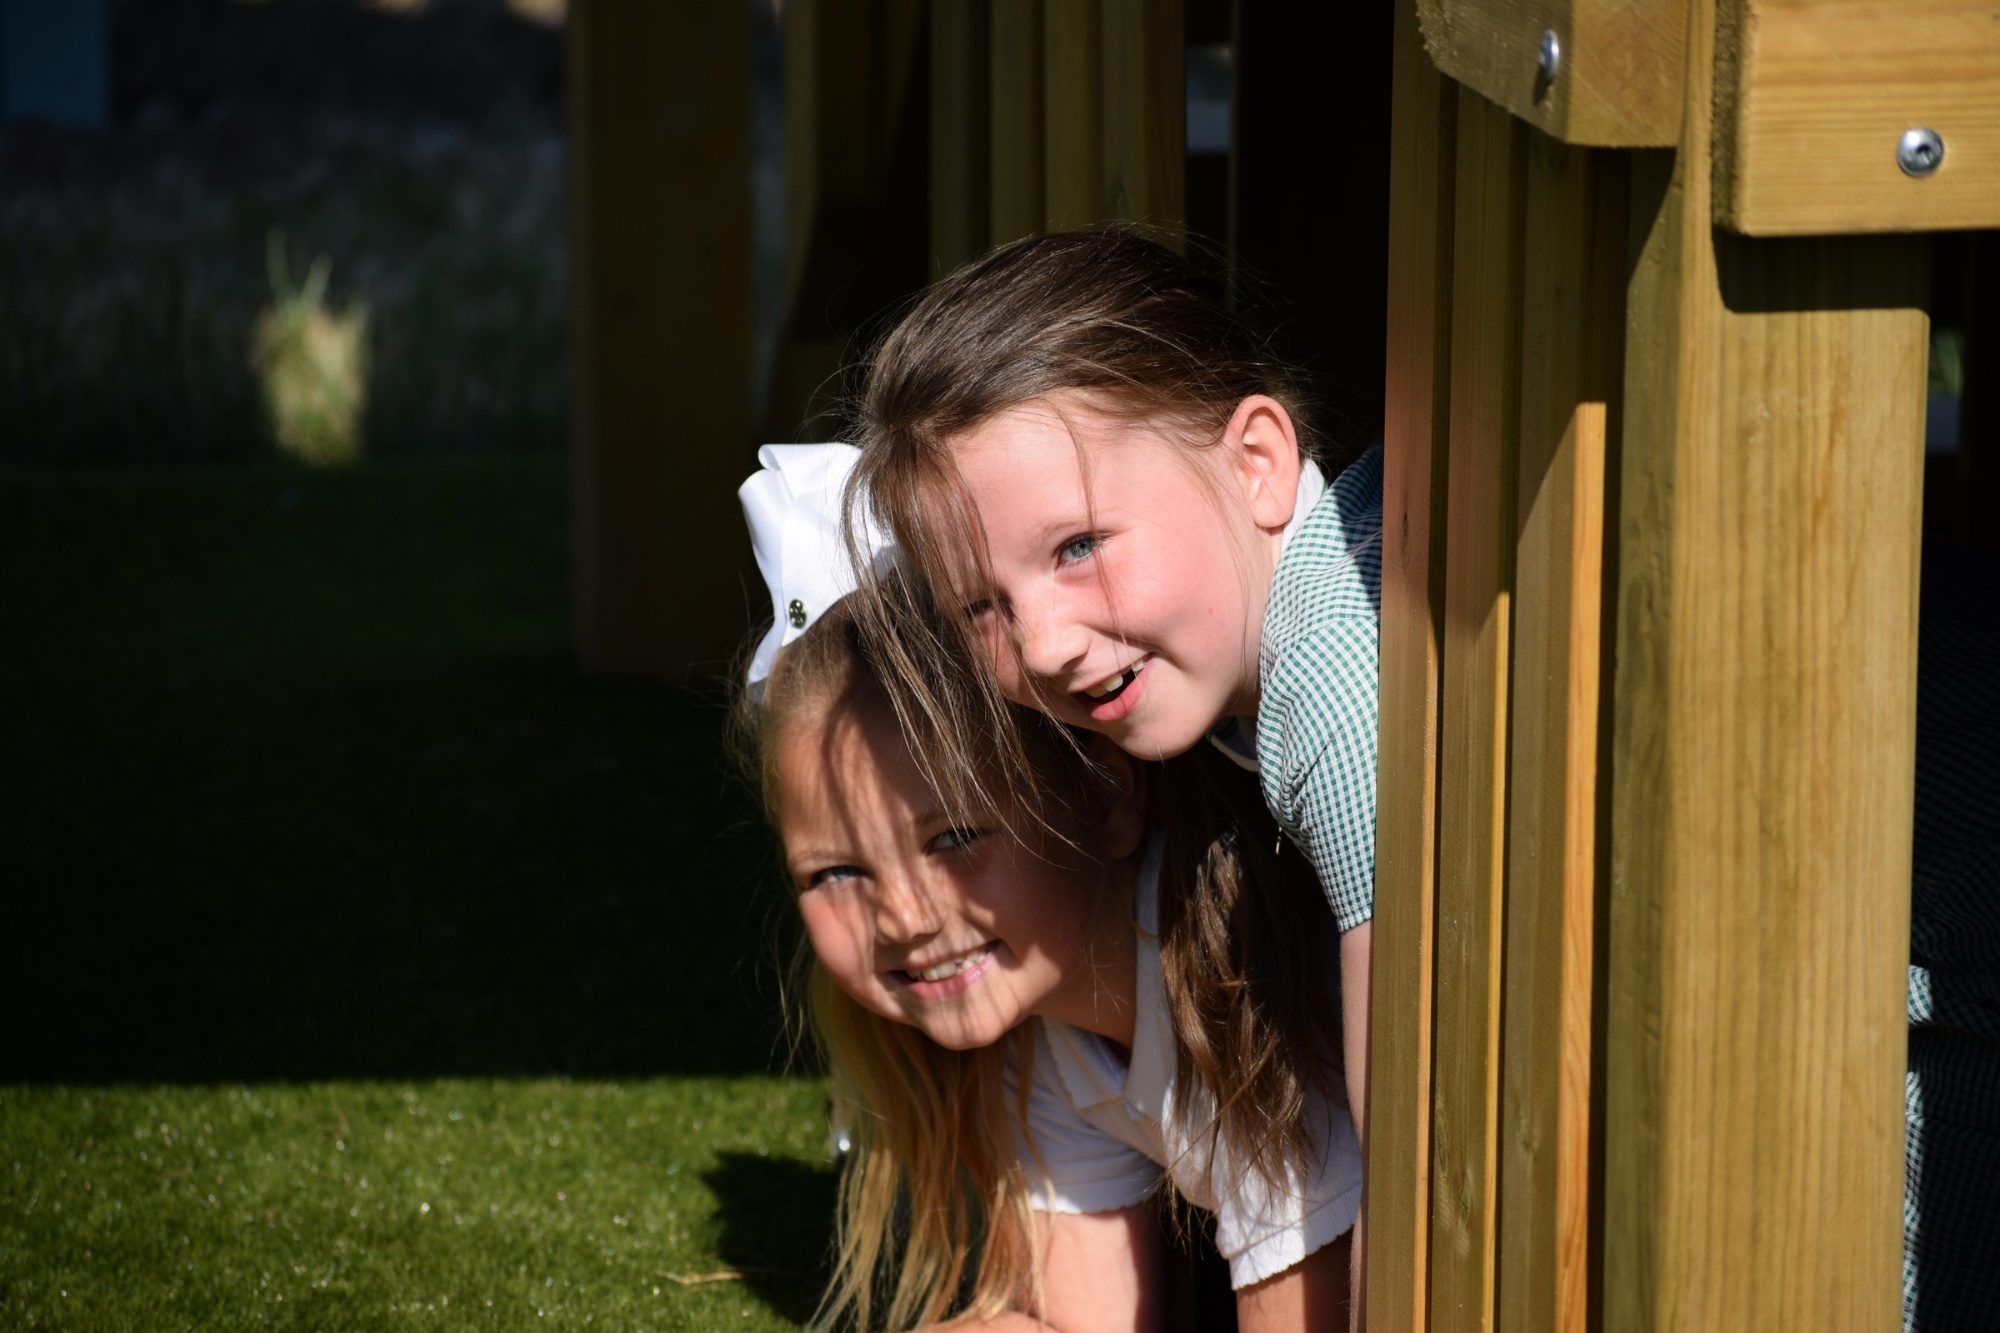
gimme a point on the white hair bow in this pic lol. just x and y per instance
(793, 505)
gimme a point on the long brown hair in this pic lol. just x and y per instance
(1124, 323)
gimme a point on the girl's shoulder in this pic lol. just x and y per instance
(1331, 568)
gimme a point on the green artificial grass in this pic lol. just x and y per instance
(319, 854)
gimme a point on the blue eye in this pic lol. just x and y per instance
(820, 879)
(1078, 548)
(955, 839)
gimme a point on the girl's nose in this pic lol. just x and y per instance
(903, 911)
(1052, 644)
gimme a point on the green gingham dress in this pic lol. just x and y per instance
(1316, 718)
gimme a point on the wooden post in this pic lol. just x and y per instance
(1763, 763)
(1018, 202)
(1572, 326)
(1417, 413)
(660, 332)
(961, 133)
(1472, 791)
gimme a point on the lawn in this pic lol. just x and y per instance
(362, 965)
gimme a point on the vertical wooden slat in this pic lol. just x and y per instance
(1763, 766)
(1072, 114)
(1571, 338)
(660, 338)
(1416, 415)
(1472, 793)
(961, 133)
(1018, 203)
(1144, 111)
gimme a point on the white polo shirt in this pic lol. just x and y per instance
(1105, 1136)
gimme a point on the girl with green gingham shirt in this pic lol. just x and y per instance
(1104, 478)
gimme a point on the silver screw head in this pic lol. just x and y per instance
(1920, 152)
(1549, 59)
(796, 613)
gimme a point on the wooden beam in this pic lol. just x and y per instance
(1144, 111)
(659, 114)
(1019, 207)
(1573, 315)
(961, 133)
(1763, 759)
(1472, 794)
(1072, 114)
(1814, 97)
(1417, 414)
(1617, 76)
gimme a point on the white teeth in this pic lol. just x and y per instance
(1116, 683)
(951, 967)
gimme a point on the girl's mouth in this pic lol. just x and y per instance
(948, 976)
(1114, 697)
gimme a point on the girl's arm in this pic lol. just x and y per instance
(1101, 1273)
(1310, 1295)
(1357, 961)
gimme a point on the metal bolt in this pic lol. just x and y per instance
(1920, 153)
(796, 613)
(1548, 61)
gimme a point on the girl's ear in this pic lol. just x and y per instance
(1123, 825)
(1263, 445)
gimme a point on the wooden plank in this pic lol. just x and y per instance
(1072, 114)
(1144, 112)
(660, 338)
(1618, 78)
(1472, 789)
(1416, 414)
(1572, 326)
(1763, 765)
(1018, 201)
(961, 183)
(1816, 94)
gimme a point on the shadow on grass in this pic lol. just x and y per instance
(777, 1223)
(299, 783)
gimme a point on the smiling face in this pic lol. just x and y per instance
(1132, 607)
(961, 930)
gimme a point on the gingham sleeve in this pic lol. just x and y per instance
(1319, 667)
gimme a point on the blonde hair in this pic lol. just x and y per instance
(933, 1177)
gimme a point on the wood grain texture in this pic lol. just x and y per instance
(1619, 81)
(1815, 94)
(659, 116)
(1763, 757)
(1416, 408)
(1144, 111)
(961, 157)
(1571, 340)
(1019, 207)
(1072, 114)
(1472, 788)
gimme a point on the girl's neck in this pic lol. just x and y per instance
(1101, 995)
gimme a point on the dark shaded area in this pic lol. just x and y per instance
(1312, 193)
(299, 783)
(466, 60)
(1955, 940)
(776, 1216)
(420, 153)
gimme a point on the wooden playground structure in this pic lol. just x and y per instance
(1654, 411)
